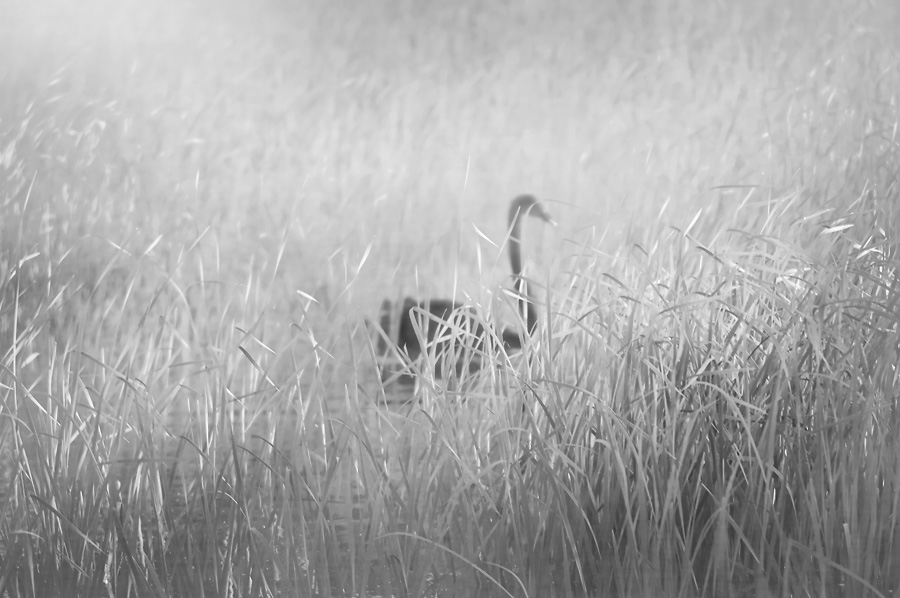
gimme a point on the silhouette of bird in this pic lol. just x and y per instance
(430, 315)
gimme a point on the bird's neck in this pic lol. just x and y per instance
(526, 307)
(515, 238)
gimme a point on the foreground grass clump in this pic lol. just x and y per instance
(743, 427)
(692, 421)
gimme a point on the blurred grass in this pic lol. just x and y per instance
(201, 200)
(425, 116)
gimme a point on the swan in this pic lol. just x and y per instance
(429, 315)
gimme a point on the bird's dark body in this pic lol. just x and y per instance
(430, 315)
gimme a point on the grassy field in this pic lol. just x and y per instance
(203, 204)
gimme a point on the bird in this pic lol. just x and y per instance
(429, 315)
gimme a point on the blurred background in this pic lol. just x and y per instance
(367, 140)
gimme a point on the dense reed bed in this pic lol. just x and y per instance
(198, 224)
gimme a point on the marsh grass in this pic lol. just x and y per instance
(730, 413)
(193, 236)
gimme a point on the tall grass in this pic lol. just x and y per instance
(735, 426)
(197, 223)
